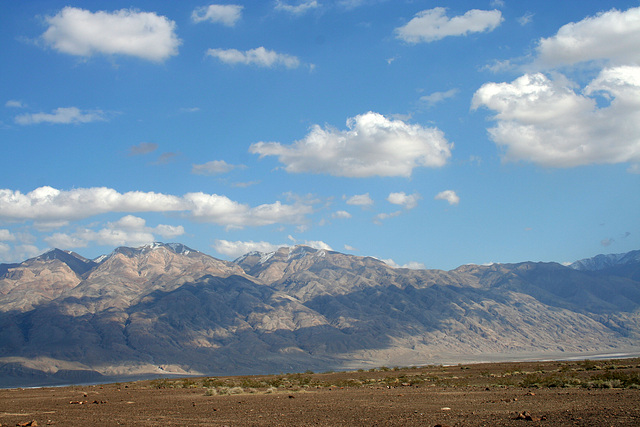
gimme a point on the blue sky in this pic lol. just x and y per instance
(429, 134)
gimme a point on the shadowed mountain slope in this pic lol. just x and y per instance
(167, 309)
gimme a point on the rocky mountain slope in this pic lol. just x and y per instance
(166, 309)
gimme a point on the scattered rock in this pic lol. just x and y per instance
(528, 417)
(446, 408)
(28, 424)
(78, 402)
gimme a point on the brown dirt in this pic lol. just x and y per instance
(602, 393)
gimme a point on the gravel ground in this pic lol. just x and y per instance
(515, 394)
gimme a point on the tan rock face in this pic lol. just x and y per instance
(34, 282)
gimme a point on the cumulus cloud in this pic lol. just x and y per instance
(6, 235)
(67, 115)
(143, 148)
(224, 211)
(225, 14)
(80, 32)
(610, 36)
(448, 195)
(260, 57)
(360, 200)
(437, 97)
(546, 121)
(47, 204)
(213, 167)
(372, 145)
(408, 201)
(433, 24)
(341, 215)
(298, 9)
(127, 231)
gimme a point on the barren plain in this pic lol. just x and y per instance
(568, 393)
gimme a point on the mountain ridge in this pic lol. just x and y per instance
(167, 309)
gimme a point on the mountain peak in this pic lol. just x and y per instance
(602, 261)
(177, 248)
(77, 263)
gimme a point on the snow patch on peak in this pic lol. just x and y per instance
(601, 262)
(264, 257)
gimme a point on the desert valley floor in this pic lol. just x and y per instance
(569, 393)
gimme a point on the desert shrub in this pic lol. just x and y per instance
(187, 383)
(549, 380)
(211, 392)
(252, 383)
(274, 382)
(236, 390)
(348, 382)
(212, 382)
(615, 379)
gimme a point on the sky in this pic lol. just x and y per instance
(426, 134)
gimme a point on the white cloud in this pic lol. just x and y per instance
(227, 14)
(412, 265)
(525, 19)
(437, 97)
(18, 253)
(6, 236)
(48, 204)
(239, 248)
(12, 103)
(127, 231)
(223, 211)
(62, 116)
(408, 201)
(213, 167)
(611, 36)
(384, 216)
(545, 121)
(433, 24)
(169, 231)
(260, 57)
(360, 200)
(341, 215)
(298, 9)
(143, 148)
(373, 145)
(317, 244)
(448, 195)
(125, 32)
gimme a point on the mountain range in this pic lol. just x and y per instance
(166, 309)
